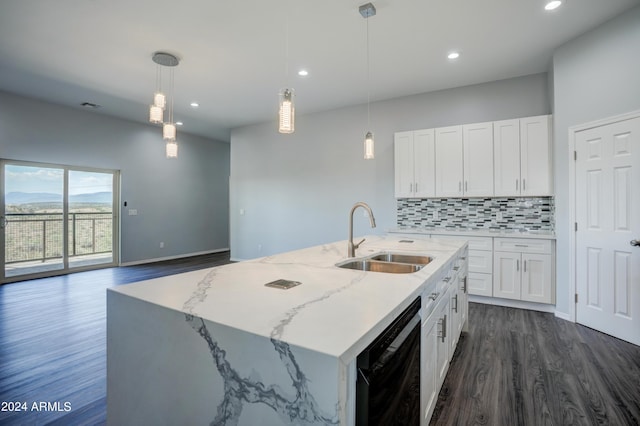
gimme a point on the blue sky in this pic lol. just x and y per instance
(43, 179)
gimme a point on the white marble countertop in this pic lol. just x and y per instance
(334, 311)
(502, 233)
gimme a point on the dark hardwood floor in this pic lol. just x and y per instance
(53, 341)
(519, 367)
(514, 367)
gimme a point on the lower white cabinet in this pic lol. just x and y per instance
(525, 272)
(445, 311)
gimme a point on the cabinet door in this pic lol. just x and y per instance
(442, 349)
(429, 371)
(535, 155)
(449, 173)
(403, 163)
(506, 157)
(537, 278)
(506, 275)
(424, 151)
(477, 141)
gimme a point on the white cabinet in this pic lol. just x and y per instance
(444, 315)
(522, 157)
(523, 270)
(414, 159)
(464, 160)
(449, 168)
(477, 141)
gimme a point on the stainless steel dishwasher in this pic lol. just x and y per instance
(388, 384)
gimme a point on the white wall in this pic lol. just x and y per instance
(182, 202)
(296, 190)
(596, 75)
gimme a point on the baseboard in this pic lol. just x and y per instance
(541, 307)
(179, 256)
(237, 259)
(563, 315)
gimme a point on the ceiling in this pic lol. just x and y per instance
(234, 57)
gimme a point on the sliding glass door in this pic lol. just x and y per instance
(56, 219)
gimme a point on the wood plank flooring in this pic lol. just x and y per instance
(514, 367)
(519, 367)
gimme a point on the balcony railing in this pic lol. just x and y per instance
(38, 236)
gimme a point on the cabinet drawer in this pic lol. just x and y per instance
(481, 261)
(475, 243)
(523, 245)
(480, 284)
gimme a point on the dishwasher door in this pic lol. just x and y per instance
(388, 384)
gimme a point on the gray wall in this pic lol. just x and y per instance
(182, 202)
(596, 76)
(296, 190)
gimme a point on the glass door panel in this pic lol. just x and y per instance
(33, 226)
(90, 218)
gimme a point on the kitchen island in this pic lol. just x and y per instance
(217, 346)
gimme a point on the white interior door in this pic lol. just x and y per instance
(608, 222)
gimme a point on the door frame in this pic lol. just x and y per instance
(115, 217)
(573, 130)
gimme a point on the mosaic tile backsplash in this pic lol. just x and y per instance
(517, 214)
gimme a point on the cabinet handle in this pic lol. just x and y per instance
(443, 328)
(410, 187)
(521, 245)
(455, 308)
(416, 186)
(525, 266)
(459, 186)
(464, 285)
(465, 186)
(434, 296)
(517, 265)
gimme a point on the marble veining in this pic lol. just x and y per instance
(301, 409)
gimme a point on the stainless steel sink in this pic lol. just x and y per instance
(402, 258)
(380, 266)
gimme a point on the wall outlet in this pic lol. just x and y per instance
(133, 212)
(161, 244)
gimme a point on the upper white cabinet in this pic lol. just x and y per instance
(414, 157)
(449, 170)
(501, 158)
(477, 141)
(464, 160)
(522, 156)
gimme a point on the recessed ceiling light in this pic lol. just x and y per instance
(195, 104)
(453, 55)
(303, 73)
(553, 4)
(179, 123)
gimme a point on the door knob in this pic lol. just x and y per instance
(635, 243)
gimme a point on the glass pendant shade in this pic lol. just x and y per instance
(155, 114)
(369, 147)
(169, 131)
(171, 149)
(286, 122)
(159, 100)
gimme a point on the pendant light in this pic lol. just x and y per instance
(552, 4)
(286, 110)
(368, 10)
(160, 103)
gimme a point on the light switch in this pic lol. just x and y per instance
(133, 212)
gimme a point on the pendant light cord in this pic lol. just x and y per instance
(368, 81)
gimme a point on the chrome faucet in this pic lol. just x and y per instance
(352, 247)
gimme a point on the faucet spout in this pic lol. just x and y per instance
(351, 246)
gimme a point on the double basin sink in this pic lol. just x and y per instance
(389, 262)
